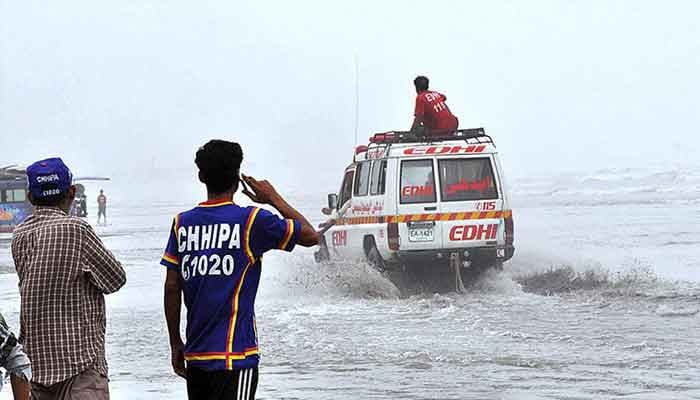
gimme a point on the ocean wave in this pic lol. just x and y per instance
(669, 311)
(612, 186)
(680, 243)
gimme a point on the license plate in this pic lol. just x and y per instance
(420, 233)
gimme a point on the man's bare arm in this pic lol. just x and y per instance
(172, 300)
(15, 361)
(417, 121)
(265, 193)
(20, 388)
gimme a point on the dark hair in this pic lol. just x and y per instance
(49, 201)
(219, 164)
(421, 83)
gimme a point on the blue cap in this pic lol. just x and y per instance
(47, 178)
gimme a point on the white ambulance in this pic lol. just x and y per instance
(412, 204)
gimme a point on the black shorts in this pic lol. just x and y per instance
(221, 385)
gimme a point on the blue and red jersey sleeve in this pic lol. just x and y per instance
(171, 257)
(267, 232)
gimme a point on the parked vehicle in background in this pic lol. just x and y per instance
(15, 205)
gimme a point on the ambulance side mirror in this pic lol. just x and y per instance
(333, 201)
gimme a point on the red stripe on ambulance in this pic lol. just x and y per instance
(420, 151)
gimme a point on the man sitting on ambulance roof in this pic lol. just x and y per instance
(432, 116)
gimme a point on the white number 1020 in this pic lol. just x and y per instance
(207, 265)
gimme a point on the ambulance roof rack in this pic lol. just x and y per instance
(472, 136)
(383, 141)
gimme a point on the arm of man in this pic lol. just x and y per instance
(308, 236)
(20, 388)
(417, 121)
(419, 113)
(172, 300)
(265, 193)
(17, 258)
(15, 361)
(106, 273)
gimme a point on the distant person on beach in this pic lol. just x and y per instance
(214, 257)
(15, 361)
(64, 272)
(432, 117)
(102, 207)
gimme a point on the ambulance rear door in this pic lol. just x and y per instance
(471, 203)
(418, 205)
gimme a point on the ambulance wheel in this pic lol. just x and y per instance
(498, 266)
(322, 254)
(373, 257)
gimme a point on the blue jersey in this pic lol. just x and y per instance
(217, 248)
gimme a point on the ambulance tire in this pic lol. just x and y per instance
(498, 266)
(322, 254)
(373, 257)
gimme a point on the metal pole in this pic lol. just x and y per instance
(357, 97)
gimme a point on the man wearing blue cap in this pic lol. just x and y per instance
(64, 272)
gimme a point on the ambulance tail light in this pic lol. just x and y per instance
(509, 229)
(392, 231)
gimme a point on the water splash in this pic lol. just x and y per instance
(562, 279)
(346, 279)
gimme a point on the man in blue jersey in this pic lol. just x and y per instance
(213, 257)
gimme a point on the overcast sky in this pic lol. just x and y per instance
(138, 84)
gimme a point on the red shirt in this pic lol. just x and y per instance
(432, 107)
(102, 200)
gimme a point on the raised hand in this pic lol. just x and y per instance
(260, 191)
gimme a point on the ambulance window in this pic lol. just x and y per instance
(362, 178)
(346, 189)
(467, 179)
(417, 182)
(378, 185)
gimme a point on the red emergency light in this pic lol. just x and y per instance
(361, 149)
(386, 137)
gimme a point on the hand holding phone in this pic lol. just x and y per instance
(259, 191)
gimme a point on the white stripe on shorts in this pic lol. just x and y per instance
(240, 385)
(245, 384)
(250, 383)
